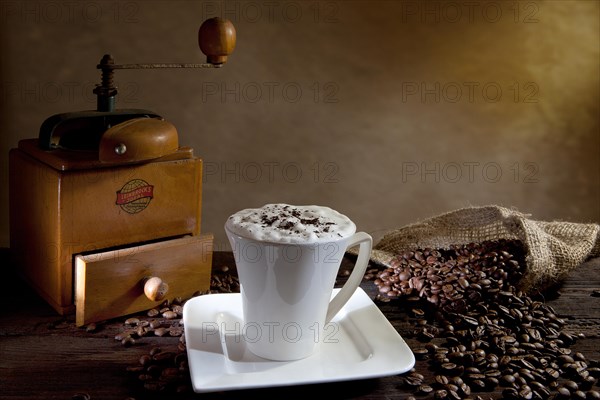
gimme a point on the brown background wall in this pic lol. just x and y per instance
(389, 111)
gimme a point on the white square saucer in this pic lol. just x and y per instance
(359, 343)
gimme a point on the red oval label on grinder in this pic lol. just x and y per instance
(135, 196)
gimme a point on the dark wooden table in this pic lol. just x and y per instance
(45, 356)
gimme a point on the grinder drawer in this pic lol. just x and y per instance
(112, 283)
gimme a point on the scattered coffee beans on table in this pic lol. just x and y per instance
(480, 333)
(165, 367)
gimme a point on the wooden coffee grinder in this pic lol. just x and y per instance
(105, 205)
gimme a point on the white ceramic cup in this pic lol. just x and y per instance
(286, 292)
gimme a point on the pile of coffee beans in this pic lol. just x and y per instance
(162, 321)
(164, 370)
(479, 332)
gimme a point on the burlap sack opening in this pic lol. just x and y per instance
(553, 249)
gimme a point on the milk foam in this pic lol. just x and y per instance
(284, 223)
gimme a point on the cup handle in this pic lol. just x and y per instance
(364, 253)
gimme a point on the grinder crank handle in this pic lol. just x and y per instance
(83, 130)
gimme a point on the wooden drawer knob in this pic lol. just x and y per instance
(155, 289)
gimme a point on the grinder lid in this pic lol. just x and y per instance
(138, 139)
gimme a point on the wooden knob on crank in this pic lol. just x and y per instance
(216, 38)
(155, 289)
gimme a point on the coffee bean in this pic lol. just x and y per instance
(566, 359)
(152, 312)
(413, 382)
(155, 350)
(510, 393)
(470, 321)
(156, 324)
(441, 379)
(507, 380)
(178, 309)
(478, 385)
(542, 393)
(493, 373)
(425, 389)
(465, 389)
(132, 321)
(81, 396)
(564, 392)
(526, 374)
(169, 314)
(134, 369)
(553, 373)
(525, 393)
(457, 381)
(485, 282)
(175, 331)
(572, 386)
(425, 335)
(421, 354)
(593, 395)
(527, 364)
(539, 376)
(504, 360)
(145, 360)
(169, 373)
(120, 336)
(589, 381)
(448, 366)
(494, 367)
(432, 348)
(473, 371)
(163, 356)
(153, 386)
(140, 331)
(413, 372)
(160, 331)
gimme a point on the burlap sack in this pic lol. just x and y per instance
(553, 249)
